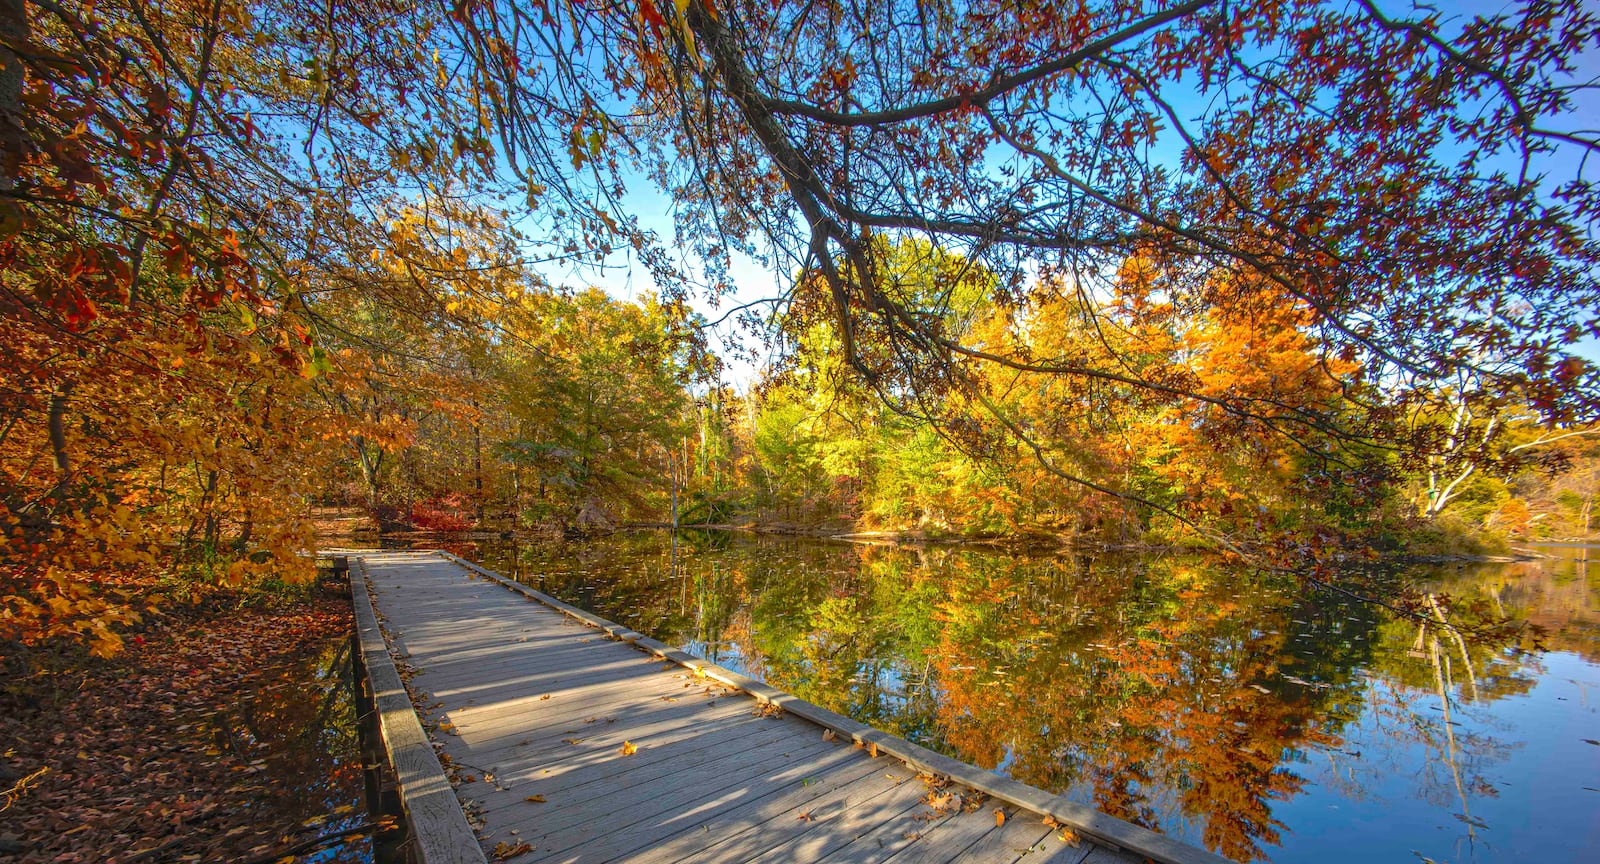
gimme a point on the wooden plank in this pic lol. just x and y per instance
(542, 749)
(798, 818)
(552, 764)
(1014, 841)
(891, 836)
(564, 791)
(953, 836)
(571, 693)
(438, 826)
(1085, 820)
(573, 833)
(829, 832)
(652, 829)
(1102, 855)
(818, 788)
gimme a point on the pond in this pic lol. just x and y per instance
(297, 723)
(1262, 720)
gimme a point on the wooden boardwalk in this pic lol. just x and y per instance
(567, 741)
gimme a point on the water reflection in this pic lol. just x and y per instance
(1242, 713)
(296, 729)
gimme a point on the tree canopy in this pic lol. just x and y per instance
(1145, 252)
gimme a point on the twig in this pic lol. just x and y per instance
(14, 794)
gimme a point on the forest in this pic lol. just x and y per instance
(1282, 289)
(1300, 282)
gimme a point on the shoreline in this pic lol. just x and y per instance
(1033, 543)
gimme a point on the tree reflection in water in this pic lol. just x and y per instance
(1166, 690)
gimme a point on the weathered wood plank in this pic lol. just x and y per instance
(624, 842)
(570, 695)
(1014, 841)
(617, 805)
(817, 789)
(670, 765)
(438, 827)
(829, 832)
(890, 836)
(800, 817)
(950, 838)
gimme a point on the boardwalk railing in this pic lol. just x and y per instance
(435, 824)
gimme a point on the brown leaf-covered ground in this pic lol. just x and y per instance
(220, 734)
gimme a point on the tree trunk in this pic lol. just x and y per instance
(477, 466)
(13, 139)
(58, 439)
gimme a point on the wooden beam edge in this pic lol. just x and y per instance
(438, 826)
(1101, 827)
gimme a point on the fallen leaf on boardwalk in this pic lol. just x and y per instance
(827, 735)
(503, 850)
(999, 817)
(537, 799)
(573, 740)
(767, 709)
(545, 696)
(805, 816)
(669, 698)
(628, 749)
(872, 749)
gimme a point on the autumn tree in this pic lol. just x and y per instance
(179, 211)
(1406, 178)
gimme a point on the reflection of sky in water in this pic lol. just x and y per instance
(1309, 717)
(1527, 775)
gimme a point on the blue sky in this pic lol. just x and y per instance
(621, 276)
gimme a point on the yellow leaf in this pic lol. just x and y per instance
(537, 799)
(503, 850)
(999, 817)
(628, 749)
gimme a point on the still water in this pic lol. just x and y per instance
(1261, 720)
